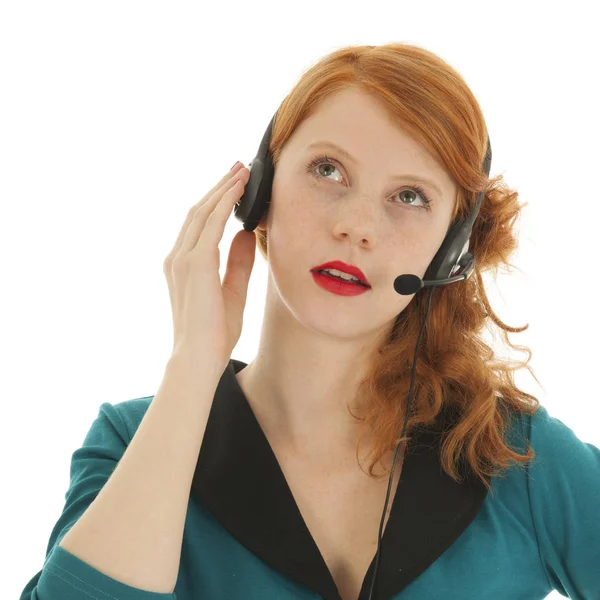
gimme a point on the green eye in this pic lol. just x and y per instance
(326, 160)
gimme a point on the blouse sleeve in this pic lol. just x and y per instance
(64, 576)
(564, 494)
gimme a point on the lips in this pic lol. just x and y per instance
(338, 286)
(345, 268)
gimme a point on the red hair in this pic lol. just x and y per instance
(455, 368)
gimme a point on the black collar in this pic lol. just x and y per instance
(239, 480)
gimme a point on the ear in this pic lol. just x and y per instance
(262, 225)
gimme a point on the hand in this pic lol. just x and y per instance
(208, 315)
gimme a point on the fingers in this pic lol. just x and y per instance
(212, 196)
(221, 186)
(214, 227)
(202, 220)
(240, 263)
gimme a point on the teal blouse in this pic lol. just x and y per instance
(537, 530)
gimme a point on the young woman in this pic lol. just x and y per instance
(258, 481)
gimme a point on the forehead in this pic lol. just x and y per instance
(358, 123)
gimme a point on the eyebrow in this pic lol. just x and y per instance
(345, 153)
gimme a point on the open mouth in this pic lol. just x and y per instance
(352, 282)
(337, 285)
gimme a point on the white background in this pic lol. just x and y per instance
(117, 117)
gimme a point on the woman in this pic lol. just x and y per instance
(248, 480)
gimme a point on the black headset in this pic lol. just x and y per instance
(451, 263)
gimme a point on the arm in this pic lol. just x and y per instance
(129, 527)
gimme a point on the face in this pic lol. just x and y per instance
(368, 211)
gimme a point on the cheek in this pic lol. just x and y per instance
(293, 214)
(289, 223)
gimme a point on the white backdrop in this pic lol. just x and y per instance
(117, 117)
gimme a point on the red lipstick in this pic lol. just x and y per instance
(335, 284)
(342, 288)
(345, 268)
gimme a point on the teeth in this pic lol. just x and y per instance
(342, 275)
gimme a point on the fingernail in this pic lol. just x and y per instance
(234, 166)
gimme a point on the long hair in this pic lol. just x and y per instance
(455, 368)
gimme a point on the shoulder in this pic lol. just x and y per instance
(121, 419)
(557, 445)
(563, 484)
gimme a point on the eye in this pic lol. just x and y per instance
(332, 162)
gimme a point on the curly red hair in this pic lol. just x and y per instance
(455, 368)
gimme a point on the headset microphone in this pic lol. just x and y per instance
(411, 284)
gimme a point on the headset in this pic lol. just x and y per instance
(451, 263)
